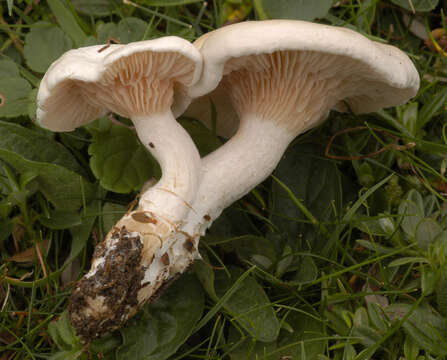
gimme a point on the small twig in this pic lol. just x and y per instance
(109, 42)
(413, 10)
(6, 298)
(375, 153)
(42, 263)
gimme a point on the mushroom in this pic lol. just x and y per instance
(140, 81)
(283, 77)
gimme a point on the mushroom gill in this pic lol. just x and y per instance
(140, 84)
(293, 88)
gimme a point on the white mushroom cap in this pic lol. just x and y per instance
(385, 76)
(82, 84)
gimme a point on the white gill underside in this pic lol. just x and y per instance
(139, 84)
(293, 89)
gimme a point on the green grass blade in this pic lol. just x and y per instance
(68, 22)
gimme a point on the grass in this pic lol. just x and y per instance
(340, 255)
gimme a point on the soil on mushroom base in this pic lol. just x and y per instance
(117, 280)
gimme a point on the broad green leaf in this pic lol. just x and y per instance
(111, 213)
(377, 317)
(62, 187)
(13, 96)
(302, 341)
(205, 140)
(73, 354)
(429, 278)
(429, 110)
(62, 333)
(169, 2)
(411, 349)
(6, 228)
(248, 348)
(418, 5)
(426, 232)
(44, 44)
(165, 324)
(205, 274)
(292, 9)
(255, 249)
(81, 233)
(32, 104)
(119, 160)
(35, 146)
(306, 272)
(368, 335)
(61, 219)
(8, 68)
(67, 21)
(441, 291)
(249, 305)
(315, 182)
(410, 117)
(426, 327)
(127, 30)
(412, 215)
(95, 7)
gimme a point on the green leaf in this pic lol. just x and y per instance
(95, 7)
(6, 228)
(249, 305)
(315, 183)
(62, 187)
(8, 68)
(44, 44)
(29, 151)
(205, 274)
(160, 331)
(67, 355)
(111, 213)
(205, 140)
(411, 349)
(62, 333)
(127, 30)
(60, 219)
(410, 117)
(67, 21)
(169, 2)
(429, 110)
(307, 271)
(13, 96)
(301, 344)
(292, 9)
(35, 146)
(426, 327)
(412, 215)
(255, 249)
(81, 233)
(441, 291)
(119, 160)
(248, 348)
(419, 5)
(426, 232)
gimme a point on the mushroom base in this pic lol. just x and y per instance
(136, 261)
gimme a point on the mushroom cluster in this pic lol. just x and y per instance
(273, 79)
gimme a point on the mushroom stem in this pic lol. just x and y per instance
(236, 168)
(173, 148)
